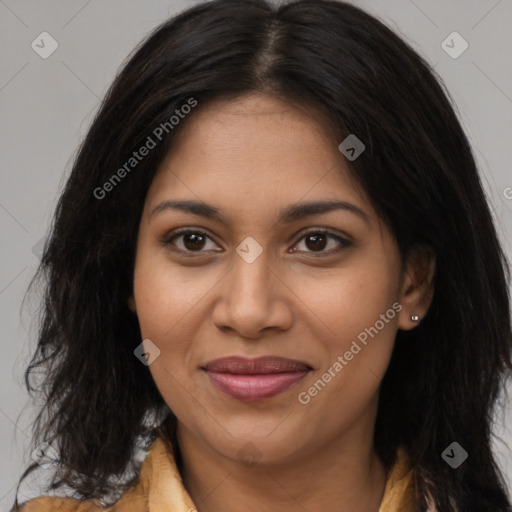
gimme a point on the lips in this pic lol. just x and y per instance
(259, 366)
(255, 379)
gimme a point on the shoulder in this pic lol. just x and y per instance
(55, 504)
(133, 497)
(158, 476)
(400, 492)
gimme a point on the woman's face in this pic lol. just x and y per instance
(254, 277)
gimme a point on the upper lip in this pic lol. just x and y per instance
(257, 366)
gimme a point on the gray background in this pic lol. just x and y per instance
(47, 105)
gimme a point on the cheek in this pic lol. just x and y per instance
(177, 389)
(165, 305)
(358, 354)
(167, 297)
(346, 301)
(356, 313)
(169, 301)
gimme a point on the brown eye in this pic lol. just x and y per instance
(316, 242)
(322, 242)
(190, 241)
(193, 241)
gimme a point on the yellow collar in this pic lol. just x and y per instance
(400, 492)
(159, 488)
(161, 482)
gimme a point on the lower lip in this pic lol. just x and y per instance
(254, 387)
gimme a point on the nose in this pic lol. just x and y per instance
(254, 299)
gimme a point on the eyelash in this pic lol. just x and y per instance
(343, 242)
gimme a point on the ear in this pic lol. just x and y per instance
(417, 288)
(131, 304)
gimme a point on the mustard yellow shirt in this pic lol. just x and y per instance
(160, 488)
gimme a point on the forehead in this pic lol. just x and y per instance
(252, 150)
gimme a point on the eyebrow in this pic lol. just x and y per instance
(291, 213)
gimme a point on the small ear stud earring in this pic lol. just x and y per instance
(415, 318)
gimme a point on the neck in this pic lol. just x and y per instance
(343, 475)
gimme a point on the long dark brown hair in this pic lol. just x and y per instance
(445, 376)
